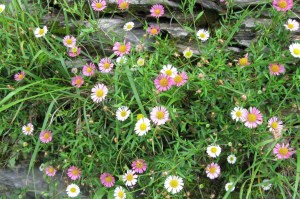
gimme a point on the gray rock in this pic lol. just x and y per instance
(210, 5)
(245, 3)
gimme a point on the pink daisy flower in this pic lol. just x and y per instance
(163, 82)
(253, 118)
(77, 81)
(121, 49)
(123, 5)
(283, 5)
(159, 115)
(153, 30)
(180, 79)
(157, 10)
(105, 65)
(69, 41)
(213, 170)
(46, 136)
(50, 171)
(139, 166)
(275, 125)
(283, 151)
(88, 69)
(19, 76)
(74, 173)
(244, 61)
(74, 51)
(98, 5)
(107, 179)
(276, 69)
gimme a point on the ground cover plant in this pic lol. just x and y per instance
(123, 119)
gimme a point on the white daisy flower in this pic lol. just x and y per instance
(169, 70)
(203, 35)
(128, 26)
(121, 60)
(229, 187)
(236, 113)
(99, 92)
(188, 53)
(231, 159)
(123, 113)
(213, 151)
(295, 49)
(119, 193)
(2, 8)
(73, 190)
(27, 129)
(41, 32)
(140, 61)
(292, 25)
(174, 184)
(266, 185)
(159, 115)
(130, 178)
(142, 126)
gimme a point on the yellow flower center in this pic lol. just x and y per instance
(213, 149)
(89, 69)
(73, 190)
(243, 61)
(129, 177)
(282, 4)
(98, 5)
(169, 72)
(106, 65)
(143, 127)
(238, 113)
(164, 82)
(160, 115)
(283, 151)
(121, 194)
(153, 31)
(157, 11)
(274, 68)
(41, 31)
(69, 41)
(75, 172)
(108, 179)
(188, 54)
(252, 117)
(99, 93)
(296, 51)
(290, 26)
(274, 125)
(123, 113)
(139, 164)
(202, 35)
(122, 48)
(129, 26)
(27, 128)
(123, 5)
(229, 187)
(20, 76)
(178, 79)
(47, 135)
(174, 183)
(1, 9)
(51, 170)
(78, 81)
(212, 170)
(74, 50)
(231, 158)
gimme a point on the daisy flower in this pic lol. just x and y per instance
(237, 113)
(72, 190)
(153, 30)
(19, 76)
(244, 61)
(107, 179)
(123, 4)
(283, 5)
(142, 126)
(139, 166)
(27, 129)
(105, 65)
(202, 34)
(98, 5)
(128, 26)
(77, 81)
(213, 170)
(130, 178)
(275, 125)
(140, 62)
(121, 60)
(50, 171)
(40, 32)
(276, 69)
(174, 184)
(121, 49)
(229, 187)
(266, 185)
(180, 79)
(163, 82)
(283, 151)
(46, 136)
(2, 8)
(231, 159)
(42, 167)
(159, 115)
(119, 193)
(69, 41)
(88, 69)
(123, 113)
(74, 173)
(213, 151)
(253, 118)
(169, 70)
(291, 25)
(295, 50)
(74, 51)
(157, 10)
(99, 92)
(187, 53)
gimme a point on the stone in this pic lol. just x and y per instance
(245, 3)
(208, 4)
